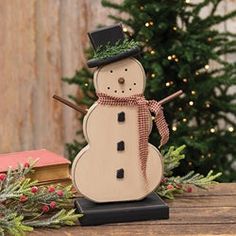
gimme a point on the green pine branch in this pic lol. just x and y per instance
(62, 218)
(112, 50)
(175, 185)
(24, 205)
(172, 159)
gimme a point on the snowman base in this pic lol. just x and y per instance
(150, 208)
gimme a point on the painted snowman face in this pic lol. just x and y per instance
(123, 78)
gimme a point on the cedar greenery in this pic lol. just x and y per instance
(181, 49)
(112, 50)
(175, 185)
(23, 205)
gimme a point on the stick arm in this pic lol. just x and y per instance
(70, 104)
(84, 111)
(171, 97)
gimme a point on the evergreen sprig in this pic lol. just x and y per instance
(110, 50)
(174, 185)
(24, 205)
(62, 218)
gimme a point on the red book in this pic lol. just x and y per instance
(49, 166)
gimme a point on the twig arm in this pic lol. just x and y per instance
(70, 104)
(84, 111)
(171, 97)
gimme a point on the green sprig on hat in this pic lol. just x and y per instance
(112, 50)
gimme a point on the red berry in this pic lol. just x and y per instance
(189, 189)
(45, 208)
(60, 193)
(34, 189)
(3, 177)
(51, 189)
(23, 198)
(52, 204)
(170, 186)
(164, 180)
(26, 165)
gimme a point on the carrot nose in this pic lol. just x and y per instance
(121, 80)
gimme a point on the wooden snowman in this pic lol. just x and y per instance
(119, 164)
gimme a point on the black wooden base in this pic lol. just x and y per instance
(151, 208)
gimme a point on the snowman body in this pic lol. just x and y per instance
(108, 169)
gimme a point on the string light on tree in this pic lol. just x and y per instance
(180, 108)
(151, 23)
(187, 1)
(196, 73)
(190, 163)
(167, 84)
(147, 24)
(207, 67)
(208, 104)
(169, 58)
(86, 84)
(141, 7)
(212, 130)
(174, 28)
(231, 129)
(174, 128)
(153, 75)
(125, 29)
(185, 80)
(191, 103)
(152, 52)
(185, 120)
(193, 92)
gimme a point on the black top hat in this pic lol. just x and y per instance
(110, 45)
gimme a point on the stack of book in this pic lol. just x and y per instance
(50, 168)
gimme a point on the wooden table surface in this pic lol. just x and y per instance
(211, 212)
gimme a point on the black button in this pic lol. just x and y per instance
(120, 174)
(121, 117)
(121, 146)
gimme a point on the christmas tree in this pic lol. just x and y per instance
(181, 49)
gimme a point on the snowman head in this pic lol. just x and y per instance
(122, 78)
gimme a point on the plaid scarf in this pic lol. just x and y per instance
(144, 109)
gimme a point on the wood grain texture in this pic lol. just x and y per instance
(193, 214)
(40, 42)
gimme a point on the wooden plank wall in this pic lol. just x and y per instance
(41, 42)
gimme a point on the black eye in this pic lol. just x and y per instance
(126, 69)
(130, 89)
(134, 83)
(108, 87)
(111, 71)
(115, 91)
